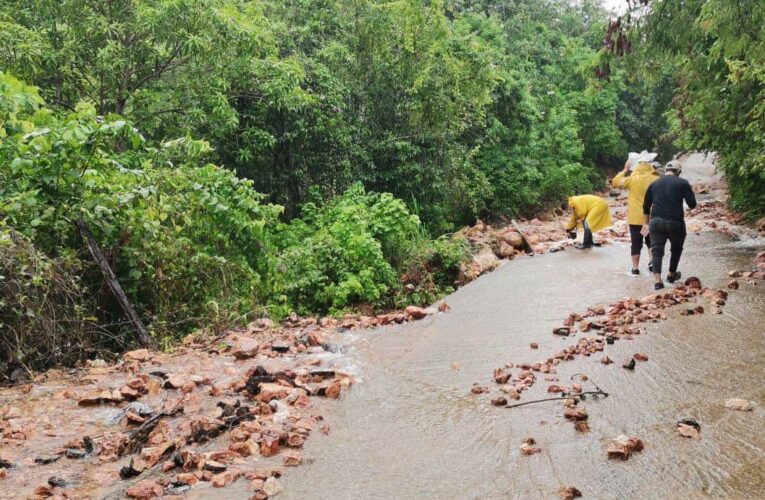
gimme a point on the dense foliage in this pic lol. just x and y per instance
(190, 242)
(460, 108)
(716, 49)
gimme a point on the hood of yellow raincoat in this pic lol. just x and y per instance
(643, 168)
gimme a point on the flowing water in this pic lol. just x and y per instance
(411, 428)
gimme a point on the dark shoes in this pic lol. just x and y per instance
(582, 246)
(635, 272)
(658, 286)
(650, 267)
(674, 277)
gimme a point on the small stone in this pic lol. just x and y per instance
(145, 490)
(738, 404)
(629, 364)
(499, 401)
(534, 345)
(733, 285)
(639, 356)
(569, 492)
(272, 487)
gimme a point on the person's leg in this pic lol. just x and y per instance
(587, 240)
(636, 244)
(677, 236)
(648, 247)
(658, 242)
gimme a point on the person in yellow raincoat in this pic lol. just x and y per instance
(592, 213)
(637, 175)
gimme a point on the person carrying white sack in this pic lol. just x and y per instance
(638, 174)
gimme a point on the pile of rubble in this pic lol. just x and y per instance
(156, 423)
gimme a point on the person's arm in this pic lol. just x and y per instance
(647, 204)
(572, 221)
(620, 181)
(690, 197)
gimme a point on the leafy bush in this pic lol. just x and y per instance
(344, 252)
(44, 308)
(185, 238)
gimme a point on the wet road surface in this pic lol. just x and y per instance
(412, 429)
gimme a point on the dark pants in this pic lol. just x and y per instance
(637, 239)
(587, 239)
(662, 230)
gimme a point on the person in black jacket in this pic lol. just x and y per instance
(665, 219)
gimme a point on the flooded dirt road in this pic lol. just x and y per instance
(340, 410)
(412, 429)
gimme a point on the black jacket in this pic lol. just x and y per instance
(664, 198)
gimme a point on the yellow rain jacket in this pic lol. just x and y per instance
(637, 184)
(590, 208)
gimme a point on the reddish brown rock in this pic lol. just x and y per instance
(145, 489)
(245, 348)
(415, 312)
(569, 492)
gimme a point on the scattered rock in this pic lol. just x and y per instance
(145, 489)
(292, 459)
(629, 364)
(622, 447)
(415, 312)
(569, 492)
(479, 389)
(534, 345)
(735, 274)
(693, 282)
(137, 355)
(214, 467)
(581, 426)
(100, 396)
(689, 428)
(272, 487)
(738, 404)
(733, 284)
(575, 413)
(245, 348)
(499, 401)
(606, 360)
(639, 356)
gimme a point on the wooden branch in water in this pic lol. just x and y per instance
(140, 331)
(596, 393)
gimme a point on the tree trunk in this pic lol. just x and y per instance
(141, 335)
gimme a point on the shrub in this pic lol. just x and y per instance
(44, 308)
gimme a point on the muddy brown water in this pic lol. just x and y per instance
(412, 429)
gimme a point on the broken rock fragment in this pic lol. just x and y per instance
(622, 447)
(738, 404)
(569, 492)
(145, 490)
(689, 428)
